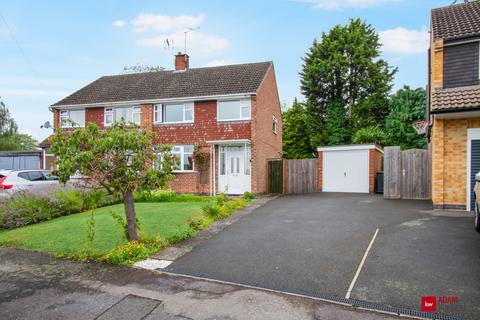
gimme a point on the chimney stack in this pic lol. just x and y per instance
(181, 61)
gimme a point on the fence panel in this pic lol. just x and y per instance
(407, 174)
(275, 176)
(301, 176)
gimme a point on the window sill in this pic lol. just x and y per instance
(183, 171)
(235, 120)
(171, 123)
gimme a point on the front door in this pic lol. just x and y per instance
(234, 169)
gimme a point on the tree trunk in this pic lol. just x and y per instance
(130, 215)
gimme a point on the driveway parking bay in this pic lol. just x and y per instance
(315, 243)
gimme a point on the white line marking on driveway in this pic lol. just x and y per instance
(352, 284)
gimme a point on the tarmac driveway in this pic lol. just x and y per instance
(314, 244)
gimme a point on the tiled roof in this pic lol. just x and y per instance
(456, 99)
(45, 143)
(195, 82)
(456, 21)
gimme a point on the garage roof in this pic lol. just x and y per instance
(350, 147)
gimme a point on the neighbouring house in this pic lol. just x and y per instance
(454, 108)
(231, 113)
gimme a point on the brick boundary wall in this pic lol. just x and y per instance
(320, 171)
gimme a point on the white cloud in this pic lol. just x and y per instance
(402, 41)
(216, 63)
(163, 23)
(339, 4)
(119, 23)
(197, 42)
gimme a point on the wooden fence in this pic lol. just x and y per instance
(275, 176)
(407, 174)
(300, 176)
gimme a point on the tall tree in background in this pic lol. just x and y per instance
(344, 70)
(10, 138)
(406, 106)
(296, 136)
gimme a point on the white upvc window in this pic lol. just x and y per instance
(184, 155)
(274, 124)
(122, 114)
(234, 110)
(72, 118)
(174, 113)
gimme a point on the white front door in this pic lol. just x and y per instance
(346, 171)
(234, 169)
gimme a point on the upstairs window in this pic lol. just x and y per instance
(174, 113)
(274, 124)
(122, 114)
(233, 110)
(72, 118)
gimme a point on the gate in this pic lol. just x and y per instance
(301, 176)
(275, 176)
(407, 174)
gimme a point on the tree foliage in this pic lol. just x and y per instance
(296, 136)
(10, 138)
(406, 106)
(120, 159)
(344, 69)
(372, 134)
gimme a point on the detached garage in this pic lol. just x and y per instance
(349, 168)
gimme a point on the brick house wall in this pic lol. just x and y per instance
(265, 144)
(449, 162)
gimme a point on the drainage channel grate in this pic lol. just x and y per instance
(332, 298)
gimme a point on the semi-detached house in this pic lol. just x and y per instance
(232, 113)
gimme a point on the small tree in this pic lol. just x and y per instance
(296, 134)
(120, 159)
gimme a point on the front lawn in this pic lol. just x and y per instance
(67, 236)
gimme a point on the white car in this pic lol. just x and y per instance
(25, 180)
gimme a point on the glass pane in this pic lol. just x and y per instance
(158, 113)
(136, 118)
(237, 171)
(247, 160)
(222, 163)
(187, 162)
(188, 114)
(108, 118)
(174, 113)
(188, 149)
(123, 114)
(78, 117)
(228, 110)
(178, 167)
(246, 112)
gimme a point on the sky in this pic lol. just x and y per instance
(49, 49)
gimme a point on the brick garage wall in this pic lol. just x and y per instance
(265, 144)
(375, 165)
(205, 128)
(449, 161)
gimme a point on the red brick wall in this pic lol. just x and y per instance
(320, 171)
(371, 170)
(265, 144)
(205, 128)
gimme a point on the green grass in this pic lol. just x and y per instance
(67, 237)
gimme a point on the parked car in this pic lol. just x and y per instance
(476, 191)
(24, 180)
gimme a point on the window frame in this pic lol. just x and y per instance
(274, 124)
(67, 117)
(243, 103)
(136, 110)
(181, 155)
(186, 106)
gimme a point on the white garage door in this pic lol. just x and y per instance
(345, 171)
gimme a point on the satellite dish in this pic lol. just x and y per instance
(46, 125)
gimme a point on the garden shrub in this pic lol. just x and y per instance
(167, 195)
(128, 253)
(212, 209)
(248, 196)
(23, 209)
